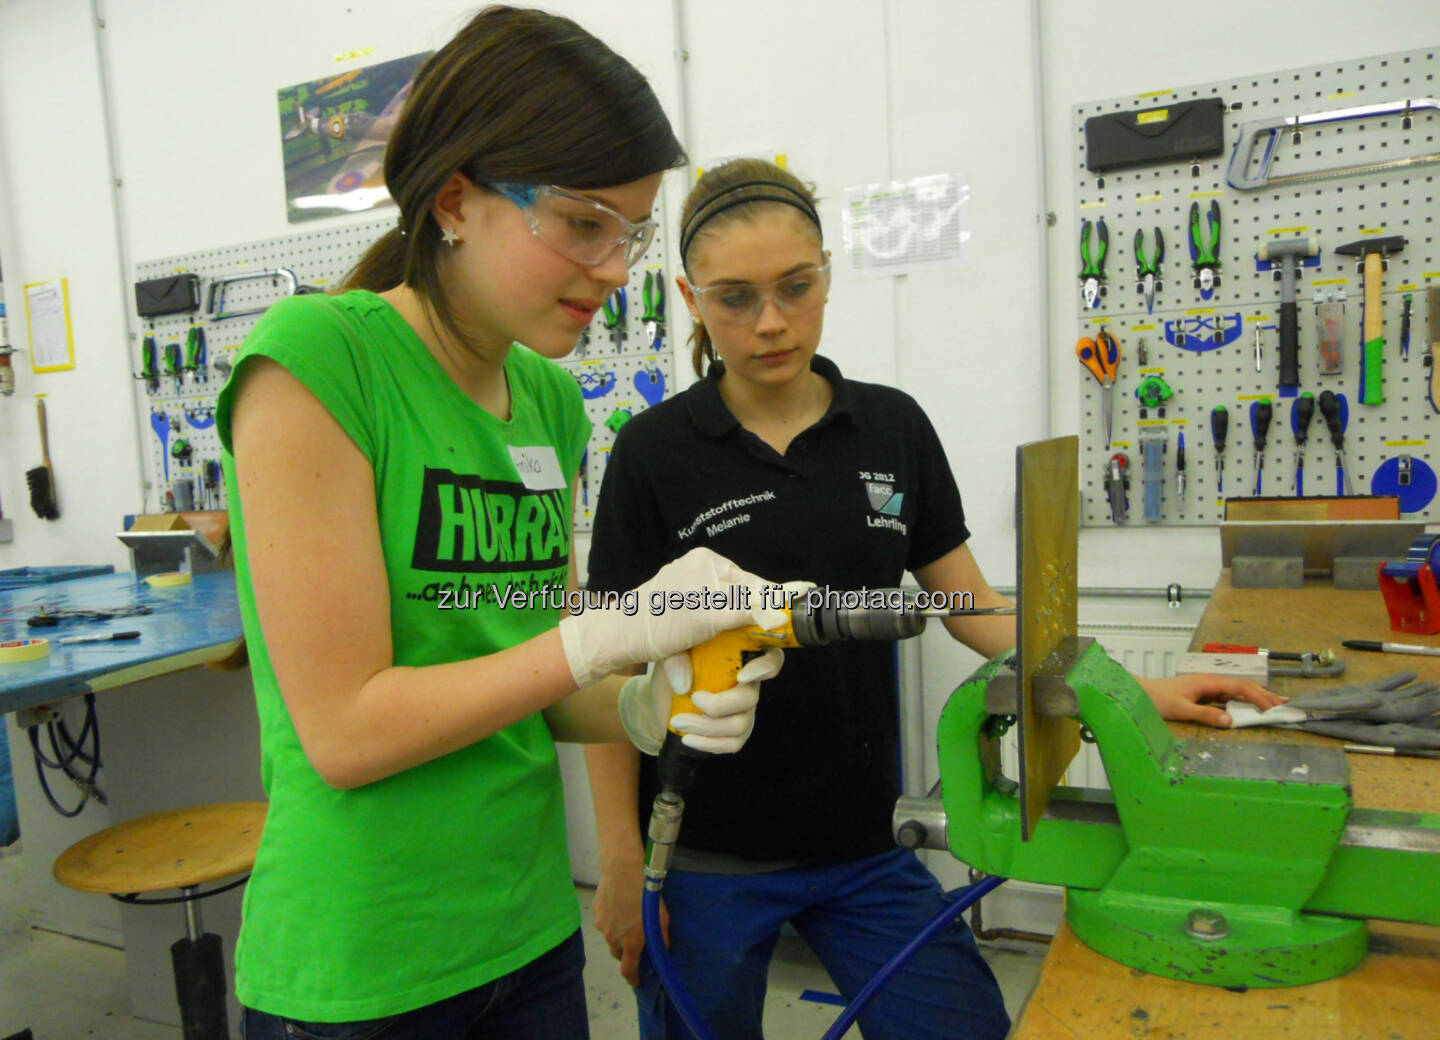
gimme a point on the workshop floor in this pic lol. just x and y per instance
(66, 989)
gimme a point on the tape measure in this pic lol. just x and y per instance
(169, 580)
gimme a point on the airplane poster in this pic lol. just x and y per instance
(334, 132)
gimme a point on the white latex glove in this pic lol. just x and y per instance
(728, 717)
(601, 641)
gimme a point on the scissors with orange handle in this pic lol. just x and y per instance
(1102, 358)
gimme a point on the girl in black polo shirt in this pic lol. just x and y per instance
(778, 462)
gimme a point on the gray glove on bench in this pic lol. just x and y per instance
(1395, 712)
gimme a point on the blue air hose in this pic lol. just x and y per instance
(881, 977)
(665, 968)
(685, 1004)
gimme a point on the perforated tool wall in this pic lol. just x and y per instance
(1204, 349)
(624, 363)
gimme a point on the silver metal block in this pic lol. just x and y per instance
(1267, 572)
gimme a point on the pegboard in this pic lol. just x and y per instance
(1203, 373)
(621, 369)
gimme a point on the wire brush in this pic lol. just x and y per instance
(41, 479)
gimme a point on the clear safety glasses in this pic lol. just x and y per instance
(740, 303)
(577, 228)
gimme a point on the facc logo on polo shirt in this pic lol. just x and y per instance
(469, 524)
(884, 499)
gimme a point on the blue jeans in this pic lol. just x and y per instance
(855, 916)
(544, 1000)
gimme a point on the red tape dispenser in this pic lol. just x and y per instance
(1409, 588)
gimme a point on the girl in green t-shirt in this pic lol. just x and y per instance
(401, 473)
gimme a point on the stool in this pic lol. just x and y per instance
(184, 849)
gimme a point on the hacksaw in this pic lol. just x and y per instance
(1239, 177)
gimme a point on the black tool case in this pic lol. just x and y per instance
(1163, 135)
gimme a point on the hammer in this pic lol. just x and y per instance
(1287, 252)
(1375, 251)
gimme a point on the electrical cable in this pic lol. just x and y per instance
(67, 750)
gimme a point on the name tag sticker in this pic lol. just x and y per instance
(538, 466)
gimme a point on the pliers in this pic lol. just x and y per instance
(1205, 248)
(1148, 271)
(172, 364)
(1092, 270)
(654, 315)
(196, 358)
(150, 363)
(615, 307)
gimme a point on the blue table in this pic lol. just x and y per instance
(177, 737)
(187, 626)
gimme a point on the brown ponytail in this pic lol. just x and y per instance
(516, 95)
(736, 190)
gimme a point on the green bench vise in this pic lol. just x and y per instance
(1223, 862)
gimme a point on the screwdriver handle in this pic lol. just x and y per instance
(1330, 410)
(1301, 415)
(1219, 425)
(1260, 415)
(1289, 348)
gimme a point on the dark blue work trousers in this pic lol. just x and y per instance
(855, 916)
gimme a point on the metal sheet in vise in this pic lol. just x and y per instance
(1047, 547)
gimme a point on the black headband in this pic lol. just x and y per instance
(720, 203)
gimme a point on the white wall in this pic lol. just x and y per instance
(56, 221)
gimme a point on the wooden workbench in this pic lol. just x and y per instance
(1395, 993)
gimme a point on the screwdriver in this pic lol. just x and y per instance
(1260, 413)
(1330, 408)
(1219, 423)
(1300, 415)
(1405, 326)
(1180, 469)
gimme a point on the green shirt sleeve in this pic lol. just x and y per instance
(310, 336)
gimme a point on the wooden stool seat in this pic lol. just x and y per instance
(181, 848)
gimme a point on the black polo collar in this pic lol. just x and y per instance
(712, 416)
